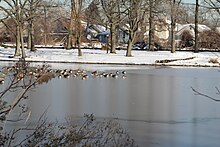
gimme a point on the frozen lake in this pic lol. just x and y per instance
(155, 105)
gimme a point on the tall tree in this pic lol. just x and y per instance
(70, 31)
(31, 14)
(134, 18)
(214, 5)
(75, 22)
(111, 9)
(196, 26)
(151, 25)
(78, 6)
(156, 11)
(48, 14)
(174, 11)
(15, 10)
(213, 9)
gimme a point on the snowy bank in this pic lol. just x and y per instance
(180, 58)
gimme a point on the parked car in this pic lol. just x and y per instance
(145, 46)
(141, 46)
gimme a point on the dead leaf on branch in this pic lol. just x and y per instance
(45, 77)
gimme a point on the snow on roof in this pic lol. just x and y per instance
(190, 28)
(97, 29)
(104, 33)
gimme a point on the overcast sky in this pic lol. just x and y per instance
(189, 1)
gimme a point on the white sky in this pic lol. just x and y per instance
(189, 1)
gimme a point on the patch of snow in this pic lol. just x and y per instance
(94, 56)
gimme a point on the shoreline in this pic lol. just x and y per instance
(100, 57)
(120, 64)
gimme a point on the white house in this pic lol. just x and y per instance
(191, 29)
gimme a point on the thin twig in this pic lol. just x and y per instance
(204, 95)
(218, 91)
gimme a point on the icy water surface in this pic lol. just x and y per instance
(156, 106)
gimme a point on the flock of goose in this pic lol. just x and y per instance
(83, 74)
(66, 73)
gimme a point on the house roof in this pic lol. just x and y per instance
(190, 28)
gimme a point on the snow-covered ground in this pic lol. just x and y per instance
(101, 57)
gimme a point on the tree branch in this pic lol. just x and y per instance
(204, 95)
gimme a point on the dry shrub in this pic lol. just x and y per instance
(162, 42)
(214, 61)
(88, 133)
(209, 39)
(186, 36)
(7, 33)
(186, 39)
(106, 47)
(45, 77)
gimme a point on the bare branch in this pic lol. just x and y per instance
(204, 95)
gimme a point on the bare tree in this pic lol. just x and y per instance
(112, 12)
(135, 13)
(75, 22)
(70, 31)
(174, 11)
(213, 4)
(92, 13)
(196, 47)
(151, 25)
(31, 14)
(78, 7)
(15, 10)
(212, 9)
(48, 13)
(154, 11)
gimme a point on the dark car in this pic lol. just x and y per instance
(145, 46)
(140, 46)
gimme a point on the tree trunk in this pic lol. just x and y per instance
(78, 46)
(32, 36)
(173, 25)
(23, 55)
(130, 43)
(69, 44)
(196, 26)
(173, 39)
(113, 38)
(45, 26)
(29, 39)
(78, 37)
(29, 25)
(31, 42)
(151, 28)
(18, 37)
(18, 42)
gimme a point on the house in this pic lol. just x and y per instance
(185, 34)
(102, 33)
(161, 28)
(103, 37)
(191, 29)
